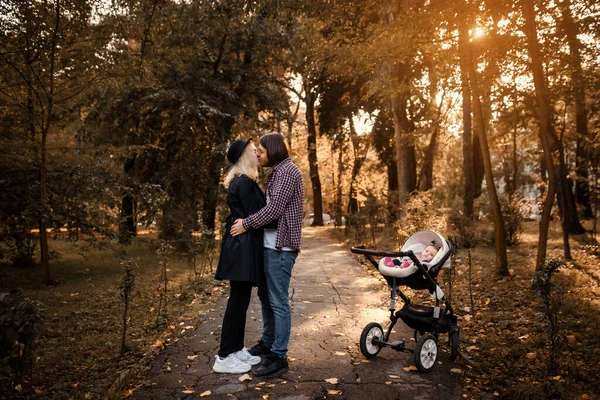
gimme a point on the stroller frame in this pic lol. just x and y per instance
(427, 322)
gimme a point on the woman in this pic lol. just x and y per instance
(241, 259)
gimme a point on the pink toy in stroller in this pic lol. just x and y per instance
(426, 321)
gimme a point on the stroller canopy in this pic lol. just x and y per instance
(422, 239)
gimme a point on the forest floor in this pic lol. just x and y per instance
(504, 334)
(504, 328)
(78, 337)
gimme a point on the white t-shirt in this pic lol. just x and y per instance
(270, 237)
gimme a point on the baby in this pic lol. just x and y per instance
(405, 262)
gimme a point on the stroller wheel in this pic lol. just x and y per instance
(453, 342)
(371, 332)
(426, 353)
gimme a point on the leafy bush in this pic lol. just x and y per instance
(514, 210)
(17, 333)
(420, 212)
(19, 243)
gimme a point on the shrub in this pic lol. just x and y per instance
(420, 212)
(17, 333)
(513, 213)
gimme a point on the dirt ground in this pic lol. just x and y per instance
(77, 353)
(504, 329)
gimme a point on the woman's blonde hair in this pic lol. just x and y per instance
(245, 165)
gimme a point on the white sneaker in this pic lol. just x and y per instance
(245, 356)
(230, 365)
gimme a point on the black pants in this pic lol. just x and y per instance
(234, 320)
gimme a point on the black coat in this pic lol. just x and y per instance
(241, 256)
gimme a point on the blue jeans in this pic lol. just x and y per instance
(276, 313)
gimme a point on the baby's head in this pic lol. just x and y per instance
(429, 252)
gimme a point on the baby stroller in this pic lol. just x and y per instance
(427, 322)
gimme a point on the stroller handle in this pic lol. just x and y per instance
(368, 252)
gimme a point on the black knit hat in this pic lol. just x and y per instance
(235, 150)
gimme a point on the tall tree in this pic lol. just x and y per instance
(547, 135)
(310, 98)
(43, 70)
(571, 30)
(499, 228)
(467, 141)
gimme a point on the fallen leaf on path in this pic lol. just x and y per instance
(411, 368)
(340, 334)
(307, 302)
(245, 378)
(204, 394)
(531, 356)
(74, 294)
(192, 358)
(388, 382)
(333, 381)
(159, 343)
(340, 353)
(525, 336)
(126, 393)
(266, 396)
(188, 391)
(394, 376)
(556, 378)
(496, 394)
(334, 392)
(457, 371)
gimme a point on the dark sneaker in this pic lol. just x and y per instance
(273, 367)
(260, 349)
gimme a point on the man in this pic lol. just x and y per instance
(285, 197)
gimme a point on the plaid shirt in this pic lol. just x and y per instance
(286, 198)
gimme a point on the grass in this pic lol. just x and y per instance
(78, 342)
(504, 334)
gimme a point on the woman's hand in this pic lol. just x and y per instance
(237, 228)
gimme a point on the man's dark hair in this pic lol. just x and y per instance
(275, 146)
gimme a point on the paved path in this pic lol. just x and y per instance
(333, 298)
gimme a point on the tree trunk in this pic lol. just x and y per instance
(338, 193)
(478, 164)
(582, 189)
(468, 155)
(425, 181)
(359, 159)
(426, 175)
(215, 167)
(405, 152)
(47, 120)
(499, 229)
(544, 129)
(312, 155)
(392, 173)
(515, 166)
(127, 227)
